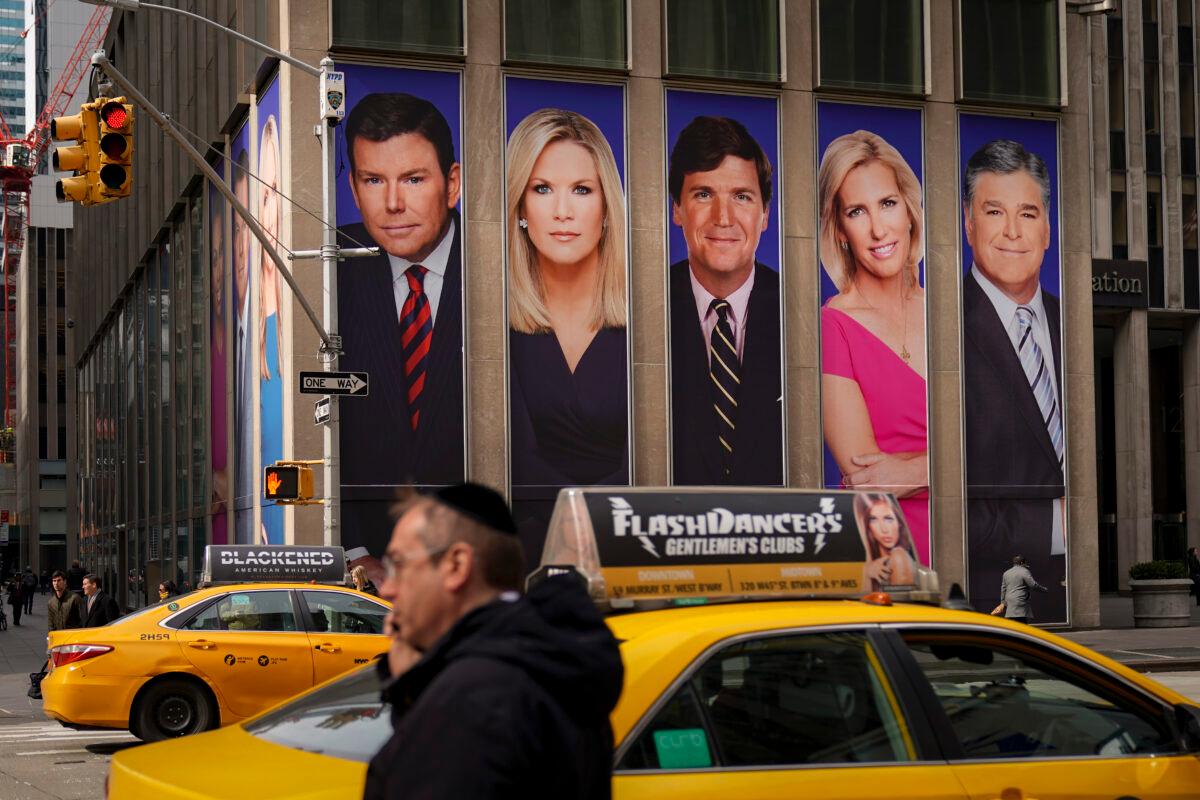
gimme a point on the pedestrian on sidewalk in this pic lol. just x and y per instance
(64, 610)
(1193, 560)
(167, 590)
(493, 695)
(99, 608)
(29, 585)
(75, 577)
(16, 598)
(1015, 584)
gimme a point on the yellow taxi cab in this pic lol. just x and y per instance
(763, 695)
(217, 655)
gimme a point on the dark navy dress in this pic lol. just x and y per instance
(567, 429)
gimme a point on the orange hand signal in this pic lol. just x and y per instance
(273, 482)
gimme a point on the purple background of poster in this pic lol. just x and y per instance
(760, 115)
(243, 477)
(271, 414)
(901, 127)
(218, 374)
(1039, 136)
(439, 88)
(603, 104)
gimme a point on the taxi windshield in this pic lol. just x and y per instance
(132, 615)
(344, 719)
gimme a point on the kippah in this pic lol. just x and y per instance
(485, 506)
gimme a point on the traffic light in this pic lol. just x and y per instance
(116, 148)
(82, 158)
(288, 483)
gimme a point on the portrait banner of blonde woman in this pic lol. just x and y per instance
(273, 295)
(219, 362)
(565, 225)
(1014, 422)
(874, 408)
(724, 289)
(245, 335)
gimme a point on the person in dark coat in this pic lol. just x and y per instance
(64, 610)
(29, 586)
(75, 577)
(99, 608)
(16, 598)
(493, 694)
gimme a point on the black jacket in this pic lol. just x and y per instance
(512, 702)
(104, 610)
(75, 577)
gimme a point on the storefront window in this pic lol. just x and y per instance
(415, 26)
(1010, 51)
(872, 44)
(737, 39)
(584, 33)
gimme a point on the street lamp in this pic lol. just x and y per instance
(331, 83)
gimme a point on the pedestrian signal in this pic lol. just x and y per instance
(288, 483)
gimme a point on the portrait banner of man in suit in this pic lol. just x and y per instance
(244, 343)
(219, 361)
(568, 307)
(1014, 423)
(874, 395)
(723, 282)
(400, 314)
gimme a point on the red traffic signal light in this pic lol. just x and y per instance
(114, 115)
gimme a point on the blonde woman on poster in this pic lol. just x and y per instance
(873, 331)
(270, 325)
(566, 304)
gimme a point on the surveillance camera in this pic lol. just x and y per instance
(70, 323)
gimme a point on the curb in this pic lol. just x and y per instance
(1163, 664)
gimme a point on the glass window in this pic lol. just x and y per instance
(1006, 701)
(1009, 51)
(339, 612)
(419, 26)
(872, 44)
(165, 388)
(200, 369)
(343, 719)
(808, 699)
(247, 611)
(585, 33)
(736, 39)
(180, 307)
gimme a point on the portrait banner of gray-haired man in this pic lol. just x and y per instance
(1014, 421)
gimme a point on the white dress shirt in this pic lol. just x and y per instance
(434, 278)
(739, 303)
(1006, 310)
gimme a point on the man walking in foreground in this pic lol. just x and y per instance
(493, 694)
(64, 610)
(1014, 592)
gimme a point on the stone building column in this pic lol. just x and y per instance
(1191, 427)
(1131, 365)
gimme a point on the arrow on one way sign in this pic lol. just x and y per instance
(342, 383)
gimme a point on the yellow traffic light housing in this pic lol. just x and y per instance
(288, 483)
(82, 158)
(116, 148)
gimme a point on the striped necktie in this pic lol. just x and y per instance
(723, 368)
(416, 334)
(1038, 375)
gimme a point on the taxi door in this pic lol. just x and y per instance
(795, 714)
(1032, 723)
(345, 630)
(250, 646)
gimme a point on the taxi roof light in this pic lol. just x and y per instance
(72, 653)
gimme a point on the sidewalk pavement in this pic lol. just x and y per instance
(23, 649)
(1143, 649)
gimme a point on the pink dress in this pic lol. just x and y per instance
(895, 397)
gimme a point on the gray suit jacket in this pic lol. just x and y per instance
(1014, 592)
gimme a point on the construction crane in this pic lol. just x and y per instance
(19, 160)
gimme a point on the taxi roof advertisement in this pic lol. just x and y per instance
(246, 563)
(685, 544)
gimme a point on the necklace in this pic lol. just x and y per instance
(904, 354)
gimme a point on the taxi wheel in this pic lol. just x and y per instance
(173, 708)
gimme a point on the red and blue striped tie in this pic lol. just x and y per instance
(416, 334)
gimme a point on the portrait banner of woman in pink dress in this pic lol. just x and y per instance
(873, 353)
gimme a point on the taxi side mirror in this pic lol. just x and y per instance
(1187, 721)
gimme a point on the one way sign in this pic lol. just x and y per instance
(345, 383)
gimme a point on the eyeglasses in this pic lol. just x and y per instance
(394, 565)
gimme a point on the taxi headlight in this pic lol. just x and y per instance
(71, 653)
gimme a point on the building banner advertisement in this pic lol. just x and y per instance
(218, 360)
(1014, 428)
(724, 289)
(873, 346)
(273, 298)
(399, 187)
(243, 344)
(568, 368)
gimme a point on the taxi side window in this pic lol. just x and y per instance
(247, 611)
(1008, 700)
(340, 612)
(778, 701)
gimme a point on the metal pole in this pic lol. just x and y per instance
(131, 92)
(329, 262)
